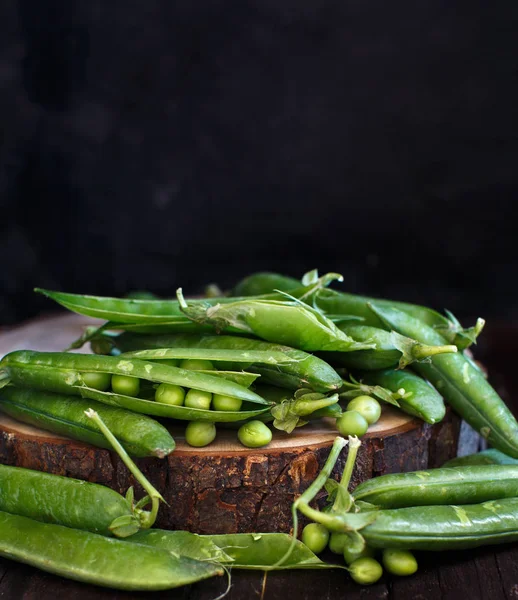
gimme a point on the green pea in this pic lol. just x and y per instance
(399, 562)
(196, 364)
(127, 386)
(352, 423)
(337, 542)
(220, 402)
(97, 381)
(368, 407)
(254, 434)
(350, 556)
(171, 362)
(365, 571)
(198, 399)
(167, 393)
(200, 433)
(315, 536)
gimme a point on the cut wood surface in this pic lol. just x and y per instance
(223, 487)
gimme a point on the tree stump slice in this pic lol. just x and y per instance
(224, 487)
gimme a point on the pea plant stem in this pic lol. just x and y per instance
(302, 502)
(154, 495)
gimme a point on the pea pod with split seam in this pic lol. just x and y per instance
(140, 435)
(290, 322)
(62, 372)
(470, 485)
(446, 527)
(91, 558)
(419, 398)
(334, 302)
(63, 501)
(461, 384)
(240, 550)
(299, 368)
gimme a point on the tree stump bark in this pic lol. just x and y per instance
(224, 487)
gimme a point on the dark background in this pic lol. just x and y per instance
(146, 145)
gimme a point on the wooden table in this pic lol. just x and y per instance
(490, 572)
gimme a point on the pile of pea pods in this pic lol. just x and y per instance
(273, 353)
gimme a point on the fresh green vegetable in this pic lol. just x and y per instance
(290, 322)
(200, 433)
(65, 501)
(337, 542)
(445, 527)
(254, 434)
(486, 457)
(315, 536)
(351, 554)
(170, 394)
(399, 562)
(220, 402)
(365, 571)
(91, 558)
(368, 407)
(198, 399)
(352, 422)
(337, 303)
(98, 381)
(390, 349)
(277, 364)
(463, 386)
(127, 386)
(139, 434)
(196, 364)
(469, 485)
(415, 395)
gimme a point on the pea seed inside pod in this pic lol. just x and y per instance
(125, 385)
(97, 381)
(196, 364)
(167, 393)
(220, 402)
(198, 399)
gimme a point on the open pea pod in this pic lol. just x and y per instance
(62, 372)
(239, 550)
(242, 377)
(223, 355)
(289, 322)
(286, 366)
(158, 409)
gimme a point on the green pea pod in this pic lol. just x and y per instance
(469, 485)
(391, 349)
(62, 372)
(183, 543)
(290, 323)
(241, 550)
(79, 504)
(139, 434)
(461, 384)
(297, 369)
(486, 457)
(242, 377)
(445, 527)
(419, 398)
(334, 302)
(91, 558)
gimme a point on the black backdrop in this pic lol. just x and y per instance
(146, 145)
